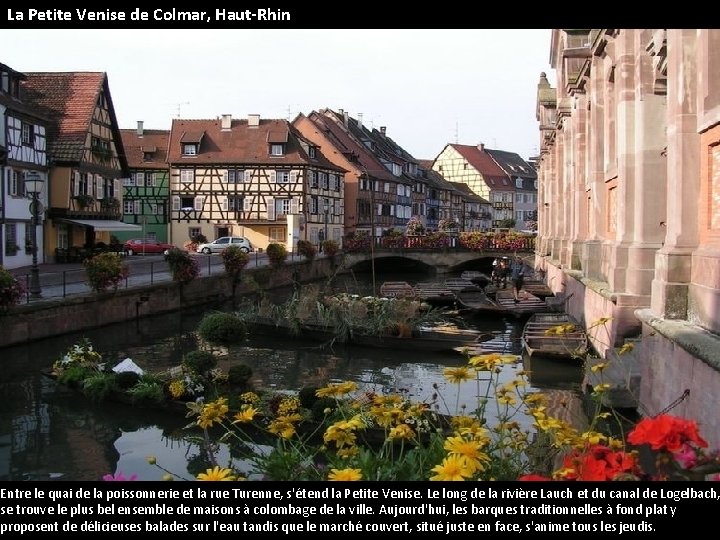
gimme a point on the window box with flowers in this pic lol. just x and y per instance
(448, 225)
(110, 203)
(415, 227)
(84, 201)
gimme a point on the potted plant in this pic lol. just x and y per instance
(12, 290)
(183, 266)
(277, 253)
(105, 270)
(84, 200)
(330, 248)
(306, 249)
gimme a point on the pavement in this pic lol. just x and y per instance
(59, 280)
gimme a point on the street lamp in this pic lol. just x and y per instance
(33, 186)
(326, 209)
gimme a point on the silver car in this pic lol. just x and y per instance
(216, 246)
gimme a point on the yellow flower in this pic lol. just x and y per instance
(457, 375)
(469, 450)
(626, 348)
(282, 428)
(176, 388)
(453, 467)
(250, 397)
(348, 452)
(213, 412)
(345, 475)
(216, 474)
(600, 366)
(168, 477)
(247, 414)
(402, 431)
(152, 460)
(337, 390)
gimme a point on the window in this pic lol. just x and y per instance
(187, 203)
(147, 156)
(10, 239)
(282, 206)
(15, 185)
(396, 169)
(132, 206)
(150, 179)
(277, 234)
(323, 180)
(312, 179)
(189, 149)
(518, 183)
(187, 175)
(518, 197)
(157, 209)
(139, 178)
(235, 204)
(194, 231)
(28, 134)
(62, 236)
(311, 152)
(282, 177)
(277, 150)
(129, 182)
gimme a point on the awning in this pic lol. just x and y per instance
(103, 224)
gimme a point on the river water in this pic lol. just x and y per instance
(47, 432)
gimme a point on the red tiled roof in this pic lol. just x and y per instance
(68, 99)
(154, 141)
(482, 162)
(240, 144)
(329, 122)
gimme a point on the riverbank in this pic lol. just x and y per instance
(53, 316)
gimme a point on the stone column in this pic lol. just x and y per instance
(578, 226)
(592, 252)
(673, 261)
(625, 153)
(649, 190)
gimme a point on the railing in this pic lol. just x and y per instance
(64, 283)
(463, 242)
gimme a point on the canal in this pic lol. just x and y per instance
(48, 433)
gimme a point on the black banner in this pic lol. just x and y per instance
(621, 508)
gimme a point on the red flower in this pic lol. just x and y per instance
(534, 478)
(599, 463)
(666, 432)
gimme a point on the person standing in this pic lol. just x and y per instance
(517, 276)
(321, 239)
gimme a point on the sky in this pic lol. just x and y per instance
(427, 87)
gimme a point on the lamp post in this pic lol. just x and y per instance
(371, 185)
(326, 209)
(33, 185)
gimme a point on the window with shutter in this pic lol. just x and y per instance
(270, 202)
(176, 203)
(247, 205)
(139, 178)
(76, 184)
(138, 207)
(100, 187)
(294, 205)
(247, 176)
(199, 202)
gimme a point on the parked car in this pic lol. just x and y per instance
(139, 245)
(216, 246)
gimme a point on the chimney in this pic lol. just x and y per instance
(481, 147)
(383, 129)
(346, 117)
(253, 120)
(226, 122)
(359, 120)
(140, 128)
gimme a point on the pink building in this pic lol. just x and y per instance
(629, 207)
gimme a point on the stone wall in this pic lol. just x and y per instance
(62, 316)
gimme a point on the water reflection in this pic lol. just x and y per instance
(48, 433)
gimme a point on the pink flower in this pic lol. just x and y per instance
(119, 477)
(686, 457)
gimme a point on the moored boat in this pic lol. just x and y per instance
(555, 335)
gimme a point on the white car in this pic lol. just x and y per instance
(216, 246)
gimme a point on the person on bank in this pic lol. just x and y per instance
(517, 276)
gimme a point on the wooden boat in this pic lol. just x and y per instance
(436, 294)
(475, 299)
(555, 335)
(425, 338)
(527, 305)
(397, 289)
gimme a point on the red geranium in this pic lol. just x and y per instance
(666, 432)
(599, 463)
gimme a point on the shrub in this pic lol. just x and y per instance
(330, 248)
(99, 385)
(222, 328)
(306, 249)
(12, 291)
(105, 270)
(147, 390)
(199, 362)
(277, 254)
(240, 375)
(183, 266)
(234, 260)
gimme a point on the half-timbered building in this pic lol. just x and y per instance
(23, 149)
(146, 193)
(257, 178)
(88, 160)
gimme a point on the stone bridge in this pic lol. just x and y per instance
(444, 260)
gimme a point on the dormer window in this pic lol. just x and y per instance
(396, 169)
(518, 183)
(312, 153)
(277, 149)
(189, 149)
